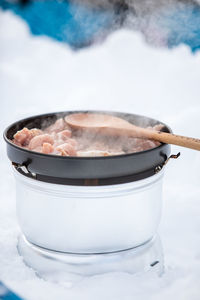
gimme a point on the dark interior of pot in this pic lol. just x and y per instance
(86, 170)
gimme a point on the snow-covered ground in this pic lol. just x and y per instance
(38, 75)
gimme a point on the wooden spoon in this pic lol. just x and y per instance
(111, 125)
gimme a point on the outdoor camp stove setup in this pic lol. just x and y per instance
(88, 215)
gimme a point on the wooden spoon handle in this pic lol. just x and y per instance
(174, 139)
(160, 136)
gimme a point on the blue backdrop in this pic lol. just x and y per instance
(78, 24)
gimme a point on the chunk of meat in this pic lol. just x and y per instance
(47, 148)
(40, 140)
(66, 150)
(38, 149)
(16, 143)
(34, 132)
(23, 137)
(61, 152)
(93, 153)
(61, 141)
(143, 144)
(72, 142)
(59, 125)
(158, 127)
(65, 134)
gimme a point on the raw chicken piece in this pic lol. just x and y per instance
(47, 148)
(38, 149)
(23, 137)
(58, 126)
(72, 142)
(142, 145)
(60, 141)
(93, 153)
(40, 140)
(35, 131)
(158, 127)
(61, 152)
(16, 143)
(66, 150)
(65, 134)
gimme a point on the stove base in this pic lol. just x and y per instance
(69, 268)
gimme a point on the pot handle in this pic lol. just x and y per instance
(159, 167)
(24, 168)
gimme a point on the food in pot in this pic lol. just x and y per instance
(59, 139)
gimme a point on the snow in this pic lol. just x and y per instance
(38, 75)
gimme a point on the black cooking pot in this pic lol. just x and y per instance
(85, 170)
